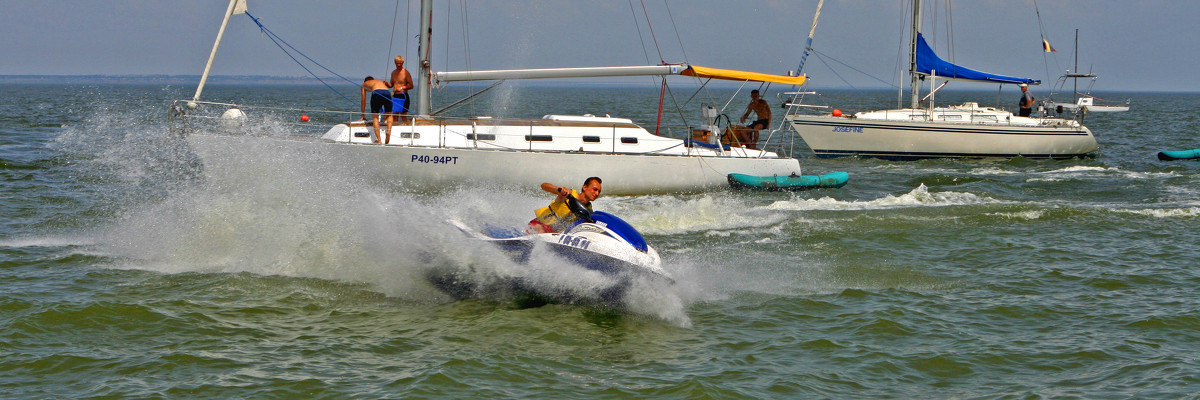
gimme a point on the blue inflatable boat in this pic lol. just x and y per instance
(1169, 155)
(789, 182)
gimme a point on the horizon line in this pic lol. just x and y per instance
(282, 80)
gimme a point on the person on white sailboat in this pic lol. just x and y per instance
(401, 83)
(762, 110)
(1026, 103)
(557, 216)
(381, 105)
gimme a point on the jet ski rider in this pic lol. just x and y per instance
(557, 216)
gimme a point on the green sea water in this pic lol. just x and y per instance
(128, 271)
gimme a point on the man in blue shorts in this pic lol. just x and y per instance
(381, 105)
(401, 83)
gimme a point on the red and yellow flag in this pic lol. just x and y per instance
(1046, 46)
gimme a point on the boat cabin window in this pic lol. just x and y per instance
(951, 117)
(410, 135)
(481, 136)
(987, 118)
(629, 139)
(591, 139)
(539, 138)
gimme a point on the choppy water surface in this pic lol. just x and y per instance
(129, 269)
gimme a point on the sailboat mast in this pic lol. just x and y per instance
(423, 100)
(1075, 91)
(912, 53)
(235, 7)
(808, 46)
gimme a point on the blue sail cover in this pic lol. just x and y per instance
(929, 63)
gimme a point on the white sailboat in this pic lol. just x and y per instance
(433, 150)
(929, 131)
(1085, 100)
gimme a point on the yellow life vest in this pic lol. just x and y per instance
(557, 215)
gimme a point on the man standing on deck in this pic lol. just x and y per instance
(1026, 103)
(381, 105)
(401, 83)
(762, 110)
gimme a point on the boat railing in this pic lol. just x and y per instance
(975, 115)
(186, 116)
(781, 139)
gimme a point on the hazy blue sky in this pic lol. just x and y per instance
(1134, 45)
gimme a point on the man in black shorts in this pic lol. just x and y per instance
(1025, 105)
(381, 105)
(762, 110)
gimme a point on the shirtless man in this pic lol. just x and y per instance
(762, 110)
(401, 84)
(381, 105)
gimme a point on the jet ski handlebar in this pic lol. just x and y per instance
(578, 209)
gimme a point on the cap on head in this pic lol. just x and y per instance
(1024, 85)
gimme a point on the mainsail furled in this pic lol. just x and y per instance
(928, 63)
(637, 70)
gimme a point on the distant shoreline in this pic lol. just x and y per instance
(162, 79)
(266, 80)
(260, 80)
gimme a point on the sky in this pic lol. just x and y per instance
(1149, 45)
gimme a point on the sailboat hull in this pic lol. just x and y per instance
(416, 167)
(907, 140)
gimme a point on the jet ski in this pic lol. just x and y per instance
(598, 241)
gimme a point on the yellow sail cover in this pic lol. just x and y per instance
(732, 75)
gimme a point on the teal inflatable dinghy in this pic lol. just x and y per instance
(789, 182)
(1169, 155)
